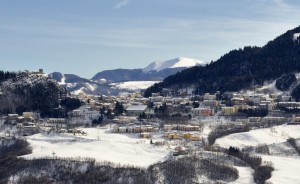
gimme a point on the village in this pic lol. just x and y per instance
(184, 118)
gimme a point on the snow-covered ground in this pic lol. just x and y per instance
(286, 166)
(277, 134)
(63, 80)
(100, 144)
(296, 36)
(134, 85)
(245, 176)
(173, 63)
(269, 87)
(286, 169)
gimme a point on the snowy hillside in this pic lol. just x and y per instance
(285, 160)
(296, 36)
(180, 62)
(112, 82)
(133, 85)
(99, 144)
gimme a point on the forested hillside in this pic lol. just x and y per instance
(240, 68)
(28, 92)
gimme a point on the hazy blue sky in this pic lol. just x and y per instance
(88, 36)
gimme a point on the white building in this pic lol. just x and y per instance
(136, 110)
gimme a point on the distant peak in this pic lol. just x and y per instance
(179, 62)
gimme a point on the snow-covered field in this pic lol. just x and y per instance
(245, 176)
(134, 85)
(100, 144)
(277, 134)
(286, 167)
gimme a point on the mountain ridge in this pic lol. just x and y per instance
(151, 72)
(180, 62)
(240, 68)
(100, 82)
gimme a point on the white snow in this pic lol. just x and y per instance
(174, 63)
(277, 134)
(79, 91)
(71, 85)
(286, 169)
(296, 36)
(99, 144)
(92, 88)
(63, 80)
(245, 176)
(134, 85)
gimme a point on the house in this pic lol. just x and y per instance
(29, 129)
(254, 119)
(255, 99)
(210, 103)
(273, 119)
(76, 113)
(187, 135)
(12, 116)
(172, 135)
(57, 120)
(228, 111)
(195, 137)
(145, 135)
(27, 114)
(202, 112)
(237, 101)
(291, 105)
(136, 110)
(186, 127)
(208, 96)
(167, 128)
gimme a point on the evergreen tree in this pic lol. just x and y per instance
(119, 108)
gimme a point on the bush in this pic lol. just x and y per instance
(262, 149)
(262, 173)
(285, 81)
(296, 93)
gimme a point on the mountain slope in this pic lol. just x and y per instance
(180, 62)
(30, 92)
(153, 72)
(118, 75)
(108, 82)
(240, 68)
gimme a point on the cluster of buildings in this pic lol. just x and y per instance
(230, 105)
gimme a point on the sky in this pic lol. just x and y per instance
(85, 37)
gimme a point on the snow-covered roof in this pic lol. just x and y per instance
(136, 108)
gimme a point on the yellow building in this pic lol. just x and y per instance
(195, 138)
(174, 136)
(187, 135)
(227, 111)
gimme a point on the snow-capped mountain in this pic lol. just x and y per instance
(181, 62)
(109, 81)
(155, 71)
